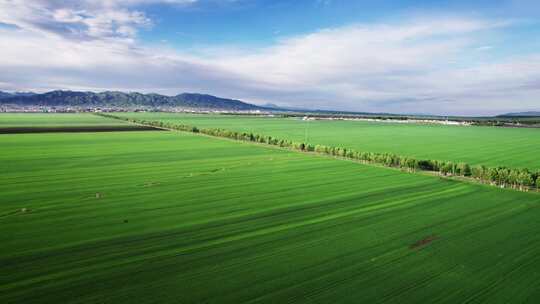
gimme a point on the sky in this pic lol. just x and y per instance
(411, 56)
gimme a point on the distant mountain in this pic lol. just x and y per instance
(322, 112)
(522, 114)
(286, 108)
(121, 99)
(209, 101)
(4, 95)
(271, 106)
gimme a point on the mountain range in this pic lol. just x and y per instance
(4, 95)
(522, 114)
(116, 99)
(121, 99)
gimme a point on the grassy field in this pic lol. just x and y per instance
(55, 120)
(168, 217)
(491, 146)
(15, 123)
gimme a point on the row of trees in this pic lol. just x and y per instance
(521, 179)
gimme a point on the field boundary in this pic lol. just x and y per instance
(78, 129)
(514, 179)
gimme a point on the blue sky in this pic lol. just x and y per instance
(442, 57)
(261, 22)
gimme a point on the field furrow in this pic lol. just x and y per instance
(173, 217)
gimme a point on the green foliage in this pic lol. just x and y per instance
(463, 169)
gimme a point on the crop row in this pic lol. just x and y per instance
(521, 179)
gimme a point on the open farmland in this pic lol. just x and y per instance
(61, 122)
(172, 217)
(490, 146)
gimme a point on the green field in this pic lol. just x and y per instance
(17, 123)
(490, 146)
(55, 120)
(184, 218)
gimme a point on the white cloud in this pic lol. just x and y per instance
(357, 51)
(407, 67)
(484, 48)
(417, 65)
(77, 19)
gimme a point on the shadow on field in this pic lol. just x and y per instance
(423, 242)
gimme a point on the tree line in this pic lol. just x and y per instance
(521, 179)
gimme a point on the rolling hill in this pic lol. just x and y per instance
(121, 99)
(522, 114)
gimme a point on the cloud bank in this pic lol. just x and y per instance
(436, 65)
